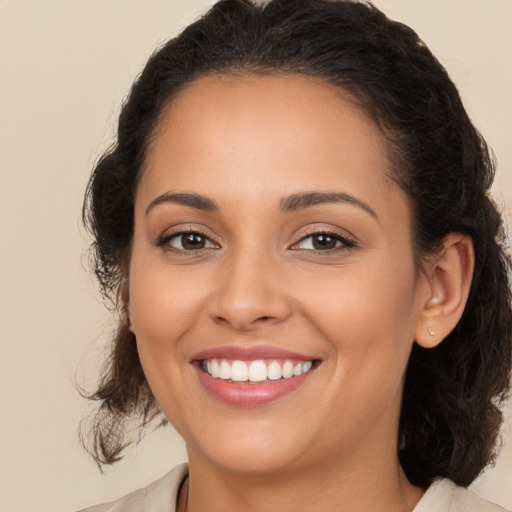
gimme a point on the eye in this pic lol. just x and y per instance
(187, 241)
(323, 241)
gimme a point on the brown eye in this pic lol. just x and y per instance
(190, 241)
(323, 242)
(193, 241)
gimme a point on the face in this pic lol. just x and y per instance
(272, 286)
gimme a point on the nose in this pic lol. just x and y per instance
(250, 292)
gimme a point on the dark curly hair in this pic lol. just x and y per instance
(450, 417)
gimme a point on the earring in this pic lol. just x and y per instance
(431, 331)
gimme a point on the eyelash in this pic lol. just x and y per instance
(344, 242)
(166, 239)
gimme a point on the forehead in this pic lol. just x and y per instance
(238, 135)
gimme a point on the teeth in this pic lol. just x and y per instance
(225, 370)
(306, 366)
(239, 371)
(215, 369)
(287, 369)
(255, 371)
(274, 371)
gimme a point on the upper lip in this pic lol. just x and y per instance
(248, 353)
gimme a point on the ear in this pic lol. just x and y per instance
(448, 277)
(130, 322)
(125, 298)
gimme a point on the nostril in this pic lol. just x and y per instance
(247, 307)
(244, 324)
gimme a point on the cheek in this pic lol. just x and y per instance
(377, 298)
(163, 306)
(367, 317)
(162, 303)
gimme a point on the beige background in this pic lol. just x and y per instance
(65, 66)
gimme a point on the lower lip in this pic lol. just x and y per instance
(247, 394)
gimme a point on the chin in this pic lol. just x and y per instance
(257, 450)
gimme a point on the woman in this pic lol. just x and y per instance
(296, 227)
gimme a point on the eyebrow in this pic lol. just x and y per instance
(291, 203)
(197, 201)
(309, 199)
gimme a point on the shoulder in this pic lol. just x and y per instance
(445, 496)
(160, 495)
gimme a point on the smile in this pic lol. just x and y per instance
(255, 371)
(252, 376)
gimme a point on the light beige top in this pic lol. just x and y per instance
(160, 496)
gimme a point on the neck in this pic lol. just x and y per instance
(359, 483)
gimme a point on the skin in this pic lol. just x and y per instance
(247, 142)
